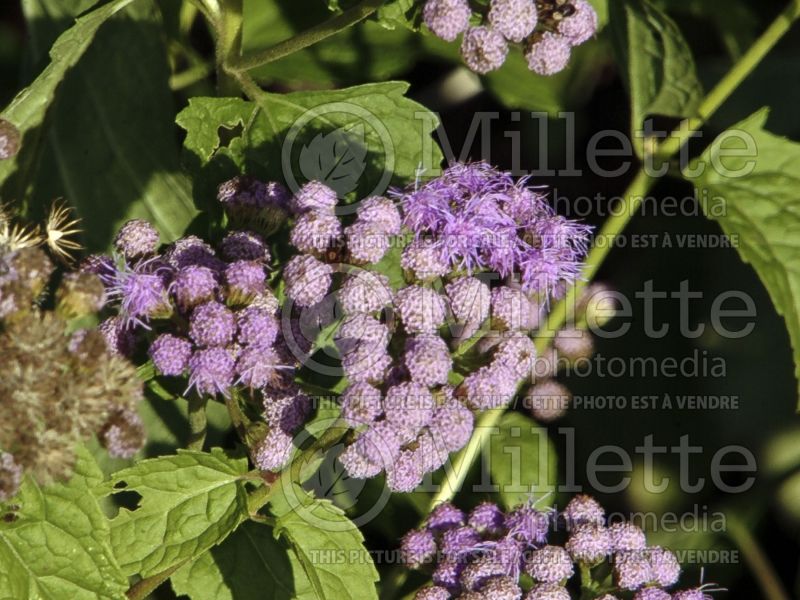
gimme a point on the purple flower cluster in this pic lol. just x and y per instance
(485, 552)
(547, 31)
(478, 218)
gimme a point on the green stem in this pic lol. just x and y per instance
(307, 38)
(228, 28)
(190, 76)
(198, 422)
(143, 588)
(757, 560)
(631, 200)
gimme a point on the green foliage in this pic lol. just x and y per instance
(329, 548)
(110, 149)
(657, 64)
(366, 52)
(756, 175)
(251, 564)
(189, 503)
(384, 136)
(523, 460)
(57, 543)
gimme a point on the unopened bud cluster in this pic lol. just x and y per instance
(533, 554)
(547, 30)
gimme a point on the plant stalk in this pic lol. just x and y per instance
(198, 422)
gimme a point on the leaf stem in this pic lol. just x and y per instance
(228, 28)
(757, 560)
(305, 39)
(639, 187)
(144, 587)
(198, 422)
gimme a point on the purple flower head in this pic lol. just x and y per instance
(191, 250)
(194, 285)
(136, 239)
(491, 386)
(409, 406)
(274, 451)
(427, 359)
(418, 547)
(580, 25)
(445, 516)
(258, 367)
(244, 245)
(632, 570)
(548, 591)
(549, 564)
(549, 54)
(285, 407)
(528, 525)
(515, 19)
(141, 291)
(447, 574)
(245, 279)
(483, 49)
(307, 280)
(574, 344)
(652, 593)
(583, 509)
(170, 354)
(508, 552)
(501, 587)
(487, 518)
(447, 18)
(242, 190)
(432, 592)
(314, 196)
(512, 310)
(423, 260)
(381, 213)
(459, 542)
(451, 425)
(422, 310)
(212, 324)
(120, 338)
(211, 371)
(480, 570)
(256, 327)
(524, 205)
(431, 451)
(361, 330)
(365, 292)
(405, 473)
(665, 567)
(361, 404)
(315, 231)
(366, 243)
(626, 536)
(366, 363)
(101, 265)
(589, 543)
(123, 435)
(548, 400)
(376, 449)
(693, 594)
(470, 301)
(516, 352)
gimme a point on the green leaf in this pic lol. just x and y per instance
(656, 62)
(249, 565)
(27, 110)
(57, 545)
(285, 137)
(189, 502)
(760, 206)
(327, 545)
(523, 459)
(108, 145)
(365, 52)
